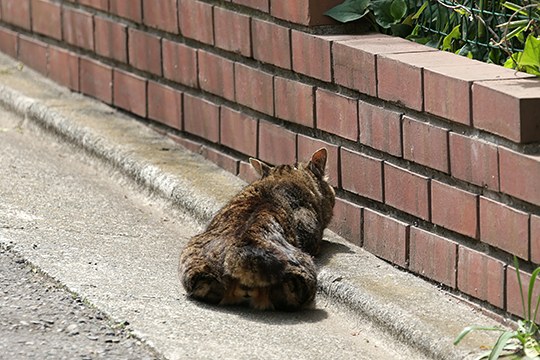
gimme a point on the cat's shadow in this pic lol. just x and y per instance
(307, 315)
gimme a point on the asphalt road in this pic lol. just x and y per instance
(115, 248)
(40, 319)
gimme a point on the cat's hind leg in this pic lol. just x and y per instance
(204, 286)
(295, 290)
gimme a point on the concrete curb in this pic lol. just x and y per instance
(368, 287)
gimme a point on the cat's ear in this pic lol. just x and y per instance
(261, 168)
(317, 164)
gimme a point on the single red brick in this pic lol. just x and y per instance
(294, 101)
(305, 48)
(33, 53)
(433, 256)
(337, 114)
(347, 221)
(271, 43)
(129, 92)
(110, 39)
(78, 28)
(513, 297)
(406, 191)
(46, 18)
(8, 42)
(232, 31)
(196, 20)
(504, 227)
(165, 105)
(520, 175)
(144, 51)
(98, 4)
(399, 83)
(453, 84)
(180, 63)
(508, 108)
(474, 161)
(425, 144)
(16, 12)
(481, 276)
(254, 88)
(307, 146)
(386, 237)
(216, 75)
(354, 68)
(362, 174)
(305, 12)
(454, 209)
(277, 145)
(127, 9)
(262, 5)
(224, 161)
(246, 172)
(535, 239)
(161, 14)
(63, 67)
(380, 128)
(239, 131)
(201, 118)
(96, 79)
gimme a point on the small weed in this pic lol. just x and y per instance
(521, 343)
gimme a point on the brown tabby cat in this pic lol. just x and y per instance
(257, 250)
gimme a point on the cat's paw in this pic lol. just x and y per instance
(206, 288)
(294, 292)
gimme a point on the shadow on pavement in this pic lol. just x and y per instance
(309, 314)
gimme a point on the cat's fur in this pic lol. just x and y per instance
(257, 249)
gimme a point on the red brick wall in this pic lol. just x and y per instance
(435, 158)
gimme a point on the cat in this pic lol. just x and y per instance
(257, 250)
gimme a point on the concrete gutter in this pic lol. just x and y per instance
(415, 311)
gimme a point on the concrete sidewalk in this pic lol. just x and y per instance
(360, 285)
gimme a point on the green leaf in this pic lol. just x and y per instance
(502, 341)
(513, 24)
(448, 40)
(514, 7)
(420, 11)
(388, 12)
(531, 70)
(401, 30)
(516, 264)
(398, 9)
(512, 61)
(494, 56)
(531, 57)
(531, 60)
(516, 32)
(470, 328)
(349, 10)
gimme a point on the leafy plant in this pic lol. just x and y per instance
(500, 32)
(381, 13)
(521, 343)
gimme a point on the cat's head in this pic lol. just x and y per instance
(316, 165)
(312, 173)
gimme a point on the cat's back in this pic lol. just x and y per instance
(256, 206)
